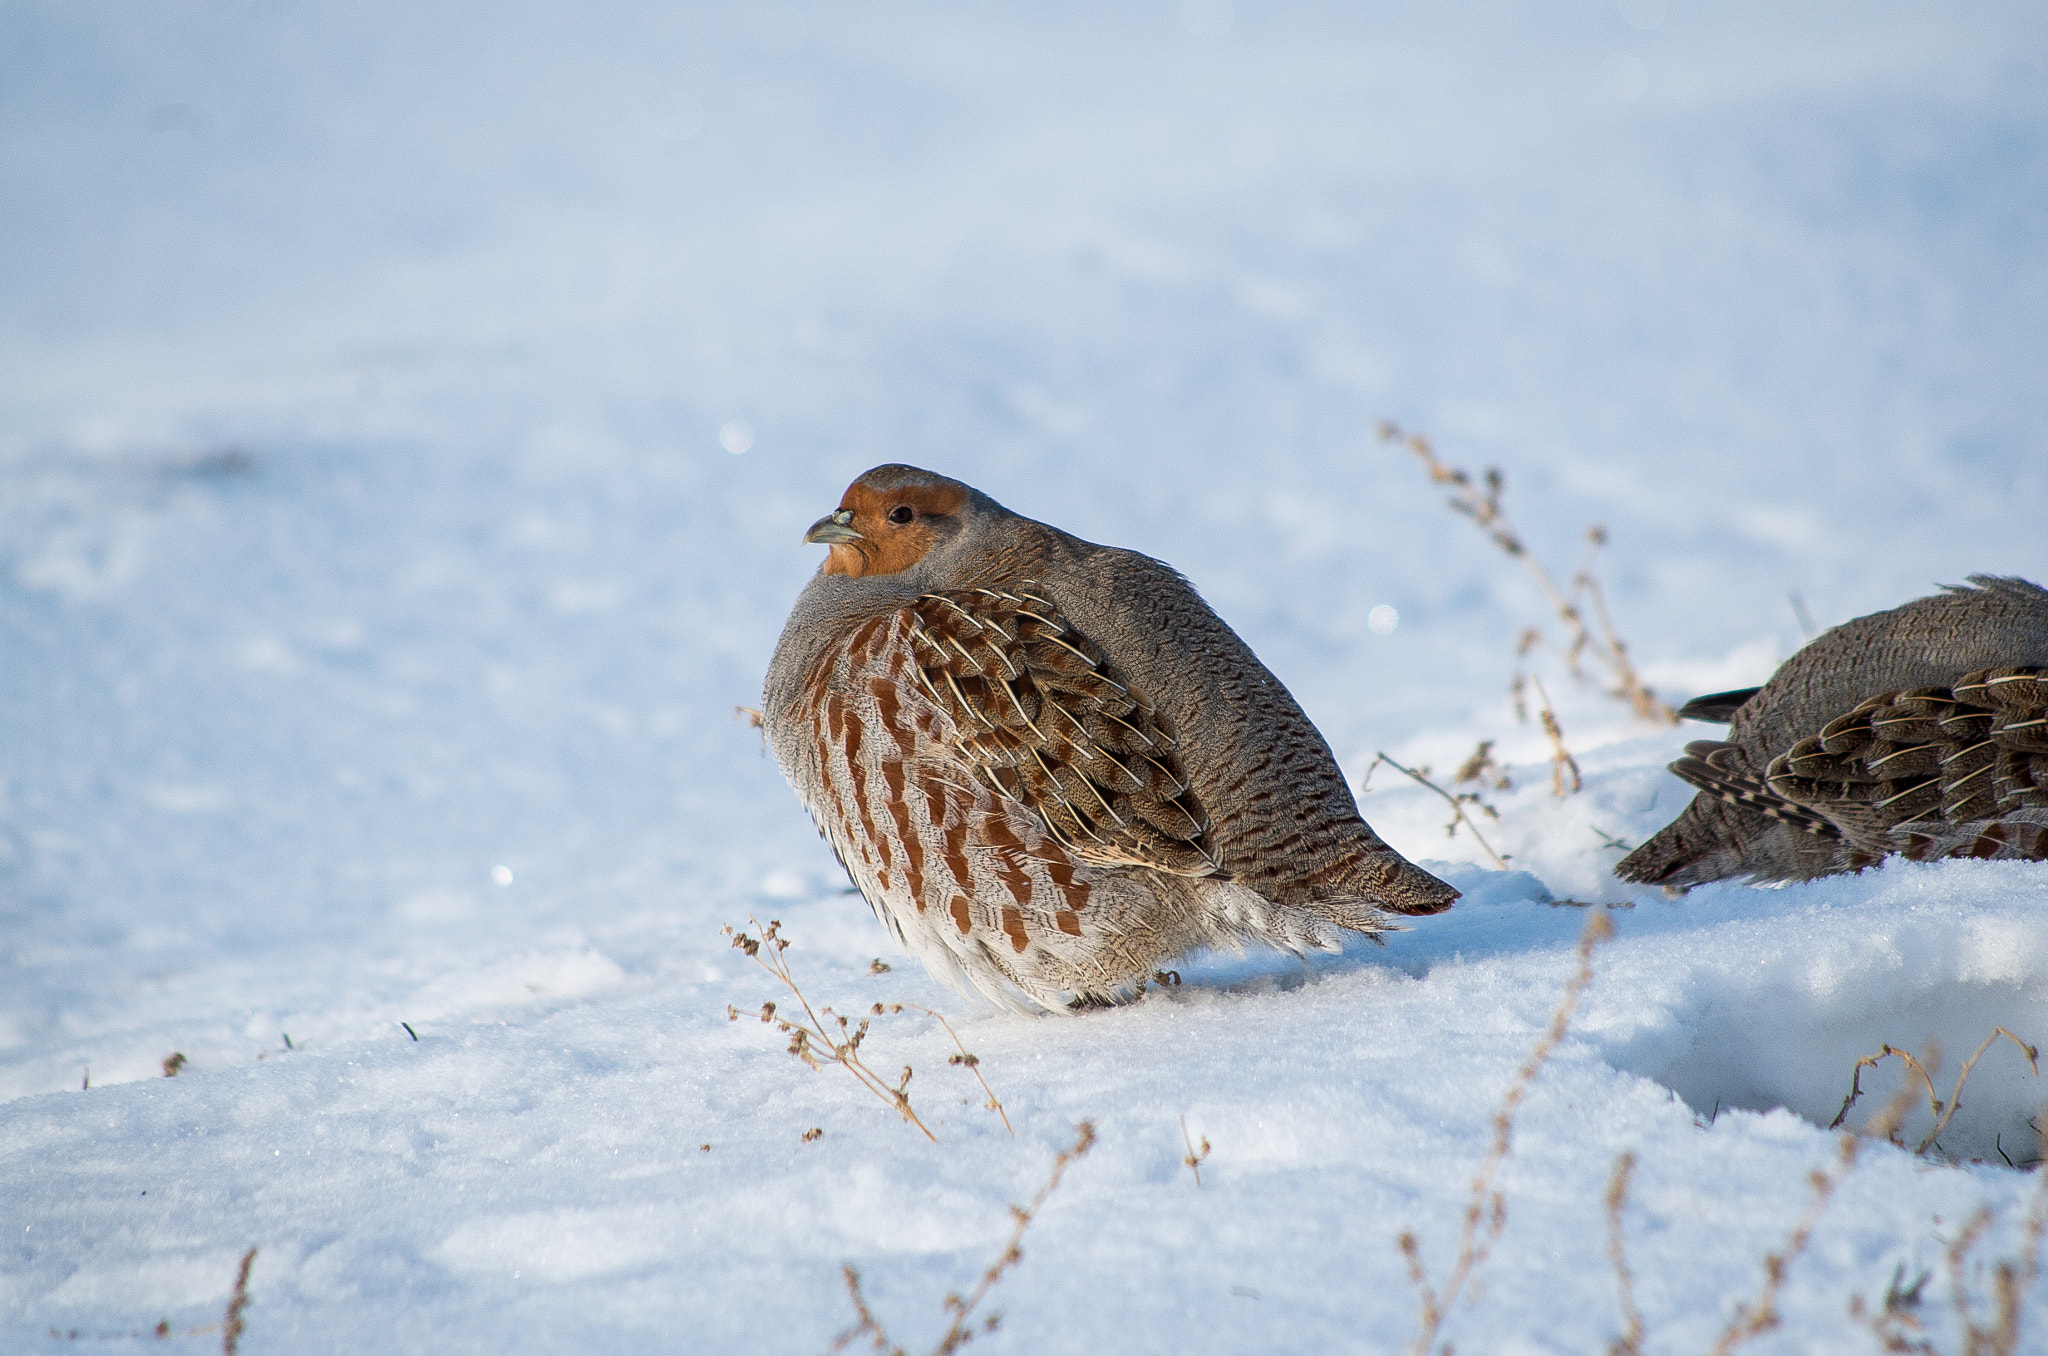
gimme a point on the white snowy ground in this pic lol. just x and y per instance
(375, 592)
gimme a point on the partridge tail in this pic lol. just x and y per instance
(1405, 890)
(1413, 891)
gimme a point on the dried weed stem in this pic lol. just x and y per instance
(1194, 1160)
(230, 1326)
(1457, 801)
(962, 1331)
(1583, 611)
(1486, 1208)
(755, 720)
(1943, 1112)
(969, 1061)
(1896, 1323)
(2011, 1279)
(231, 1323)
(811, 1038)
(1761, 1314)
(1481, 768)
(1896, 1326)
(1630, 1343)
(1562, 764)
(865, 1323)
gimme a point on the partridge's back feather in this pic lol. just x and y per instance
(1047, 764)
(1921, 731)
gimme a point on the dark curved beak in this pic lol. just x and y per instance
(834, 529)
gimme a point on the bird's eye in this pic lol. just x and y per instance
(902, 513)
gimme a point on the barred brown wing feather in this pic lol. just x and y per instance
(1923, 757)
(1043, 718)
(1719, 770)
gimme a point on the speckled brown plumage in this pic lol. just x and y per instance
(1047, 764)
(1921, 731)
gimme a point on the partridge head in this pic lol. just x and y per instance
(1921, 731)
(1047, 764)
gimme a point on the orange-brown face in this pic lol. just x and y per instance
(879, 531)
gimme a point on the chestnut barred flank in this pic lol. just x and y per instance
(1048, 766)
(1837, 763)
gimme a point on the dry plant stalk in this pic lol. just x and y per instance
(231, 1323)
(811, 1039)
(1943, 1112)
(1761, 1314)
(230, 1326)
(2011, 1279)
(967, 1060)
(1562, 763)
(1457, 801)
(1582, 611)
(1913, 1066)
(865, 1322)
(1630, 1343)
(1486, 1211)
(1895, 1325)
(1481, 768)
(962, 1331)
(1194, 1160)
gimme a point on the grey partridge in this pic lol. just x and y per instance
(1921, 731)
(1048, 766)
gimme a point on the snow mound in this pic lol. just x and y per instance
(1761, 999)
(1755, 998)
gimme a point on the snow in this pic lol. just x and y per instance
(406, 424)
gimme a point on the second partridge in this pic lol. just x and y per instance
(1921, 731)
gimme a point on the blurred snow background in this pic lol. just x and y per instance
(407, 418)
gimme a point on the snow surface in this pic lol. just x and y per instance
(377, 582)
